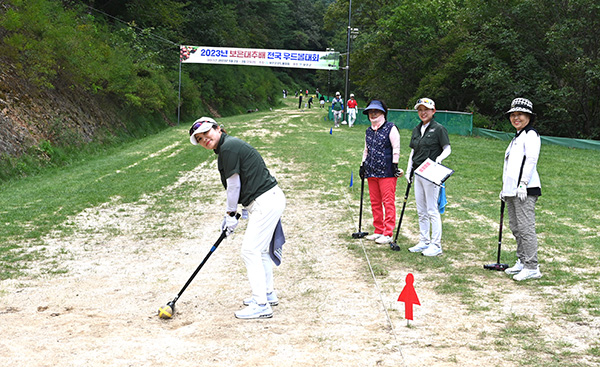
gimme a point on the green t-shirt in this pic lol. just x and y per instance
(237, 156)
(337, 104)
(430, 145)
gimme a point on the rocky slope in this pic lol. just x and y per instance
(65, 114)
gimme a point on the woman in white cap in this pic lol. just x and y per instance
(429, 140)
(380, 167)
(249, 183)
(521, 188)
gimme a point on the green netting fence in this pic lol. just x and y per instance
(460, 123)
(565, 142)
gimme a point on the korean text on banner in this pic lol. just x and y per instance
(260, 57)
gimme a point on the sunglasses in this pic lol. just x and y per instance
(425, 100)
(197, 125)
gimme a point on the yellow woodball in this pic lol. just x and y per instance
(165, 312)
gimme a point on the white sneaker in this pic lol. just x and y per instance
(528, 274)
(373, 237)
(255, 311)
(419, 247)
(271, 298)
(384, 240)
(432, 250)
(515, 269)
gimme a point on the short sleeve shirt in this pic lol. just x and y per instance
(430, 145)
(237, 156)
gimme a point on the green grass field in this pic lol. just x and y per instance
(568, 222)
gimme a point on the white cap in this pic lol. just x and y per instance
(202, 125)
(427, 102)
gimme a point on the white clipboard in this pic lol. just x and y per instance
(434, 172)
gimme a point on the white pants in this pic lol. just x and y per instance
(337, 117)
(426, 196)
(351, 116)
(263, 215)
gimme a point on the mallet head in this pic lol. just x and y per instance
(359, 234)
(394, 246)
(497, 267)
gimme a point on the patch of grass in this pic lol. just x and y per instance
(379, 270)
(457, 284)
(570, 307)
(592, 303)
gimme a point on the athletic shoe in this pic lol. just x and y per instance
(432, 250)
(255, 311)
(515, 269)
(419, 247)
(271, 298)
(528, 274)
(373, 237)
(384, 240)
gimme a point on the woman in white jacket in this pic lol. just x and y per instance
(521, 188)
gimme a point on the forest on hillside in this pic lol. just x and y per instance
(468, 55)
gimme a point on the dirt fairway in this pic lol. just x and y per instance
(122, 262)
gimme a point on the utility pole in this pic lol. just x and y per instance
(352, 33)
(347, 61)
(329, 77)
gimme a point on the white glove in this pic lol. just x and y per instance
(407, 175)
(439, 159)
(522, 191)
(229, 224)
(501, 196)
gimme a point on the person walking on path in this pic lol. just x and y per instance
(337, 107)
(521, 188)
(249, 183)
(322, 101)
(352, 110)
(429, 140)
(380, 167)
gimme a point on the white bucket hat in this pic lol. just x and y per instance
(521, 105)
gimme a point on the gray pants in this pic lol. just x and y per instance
(521, 219)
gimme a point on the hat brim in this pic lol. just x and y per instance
(366, 110)
(202, 129)
(519, 109)
(424, 105)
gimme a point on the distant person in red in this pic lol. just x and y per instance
(352, 110)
